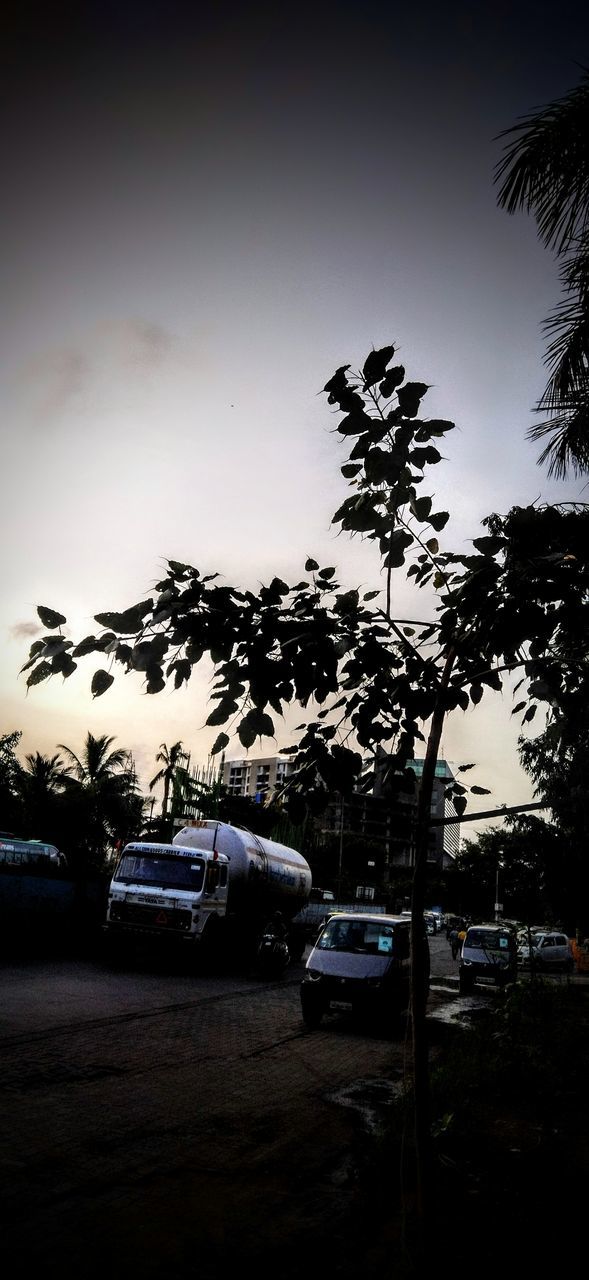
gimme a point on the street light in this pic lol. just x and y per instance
(498, 904)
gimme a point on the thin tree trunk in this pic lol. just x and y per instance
(421, 1087)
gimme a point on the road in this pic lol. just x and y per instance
(156, 1123)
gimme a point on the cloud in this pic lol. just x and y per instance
(137, 342)
(61, 377)
(55, 377)
(25, 630)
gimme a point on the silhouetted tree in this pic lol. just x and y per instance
(171, 759)
(545, 170)
(101, 793)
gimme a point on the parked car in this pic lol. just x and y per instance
(489, 954)
(360, 965)
(549, 951)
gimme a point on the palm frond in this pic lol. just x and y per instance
(545, 167)
(568, 446)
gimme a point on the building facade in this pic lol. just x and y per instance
(259, 777)
(378, 814)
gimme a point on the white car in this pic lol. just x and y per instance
(548, 951)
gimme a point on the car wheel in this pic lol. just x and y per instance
(312, 1014)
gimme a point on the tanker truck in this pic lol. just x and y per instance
(212, 889)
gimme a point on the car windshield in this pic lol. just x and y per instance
(488, 939)
(352, 935)
(166, 872)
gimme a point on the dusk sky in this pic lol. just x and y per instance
(206, 209)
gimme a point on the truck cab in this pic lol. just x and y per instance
(166, 891)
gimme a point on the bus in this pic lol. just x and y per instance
(30, 856)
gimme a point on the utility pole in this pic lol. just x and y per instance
(498, 904)
(341, 853)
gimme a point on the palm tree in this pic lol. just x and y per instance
(170, 758)
(102, 790)
(41, 790)
(545, 170)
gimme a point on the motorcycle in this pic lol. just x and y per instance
(273, 955)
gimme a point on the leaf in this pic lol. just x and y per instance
(480, 791)
(375, 365)
(347, 602)
(489, 546)
(180, 570)
(355, 423)
(421, 508)
(433, 545)
(50, 618)
(54, 645)
(129, 622)
(182, 672)
(437, 426)
(227, 707)
(220, 743)
(64, 664)
(520, 706)
(246, 734)
(460, 805)
(155, 681)
(351, 469)
(530, 713)
(409, 397)
(399, 543)
(337, 383)
(311, 565)
(391, 381)
(89, 645)
(101, 681)
(371, 595)
(40, 673)
(438, 520)
(476, 693)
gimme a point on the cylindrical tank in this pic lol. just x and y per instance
(259, 869)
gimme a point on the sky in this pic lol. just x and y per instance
(207, 209)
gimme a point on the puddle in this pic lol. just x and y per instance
(460, 1009)
(370, 1097)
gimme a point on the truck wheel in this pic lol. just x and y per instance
(114, 950)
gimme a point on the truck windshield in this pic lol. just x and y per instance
(166, 872)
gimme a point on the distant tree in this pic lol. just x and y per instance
(11, 810)
(545, 170)
(171, 758)
(101, 792)
(528, 853)
(558, 762)
(42, 787)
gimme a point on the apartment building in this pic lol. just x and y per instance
(259, 777)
